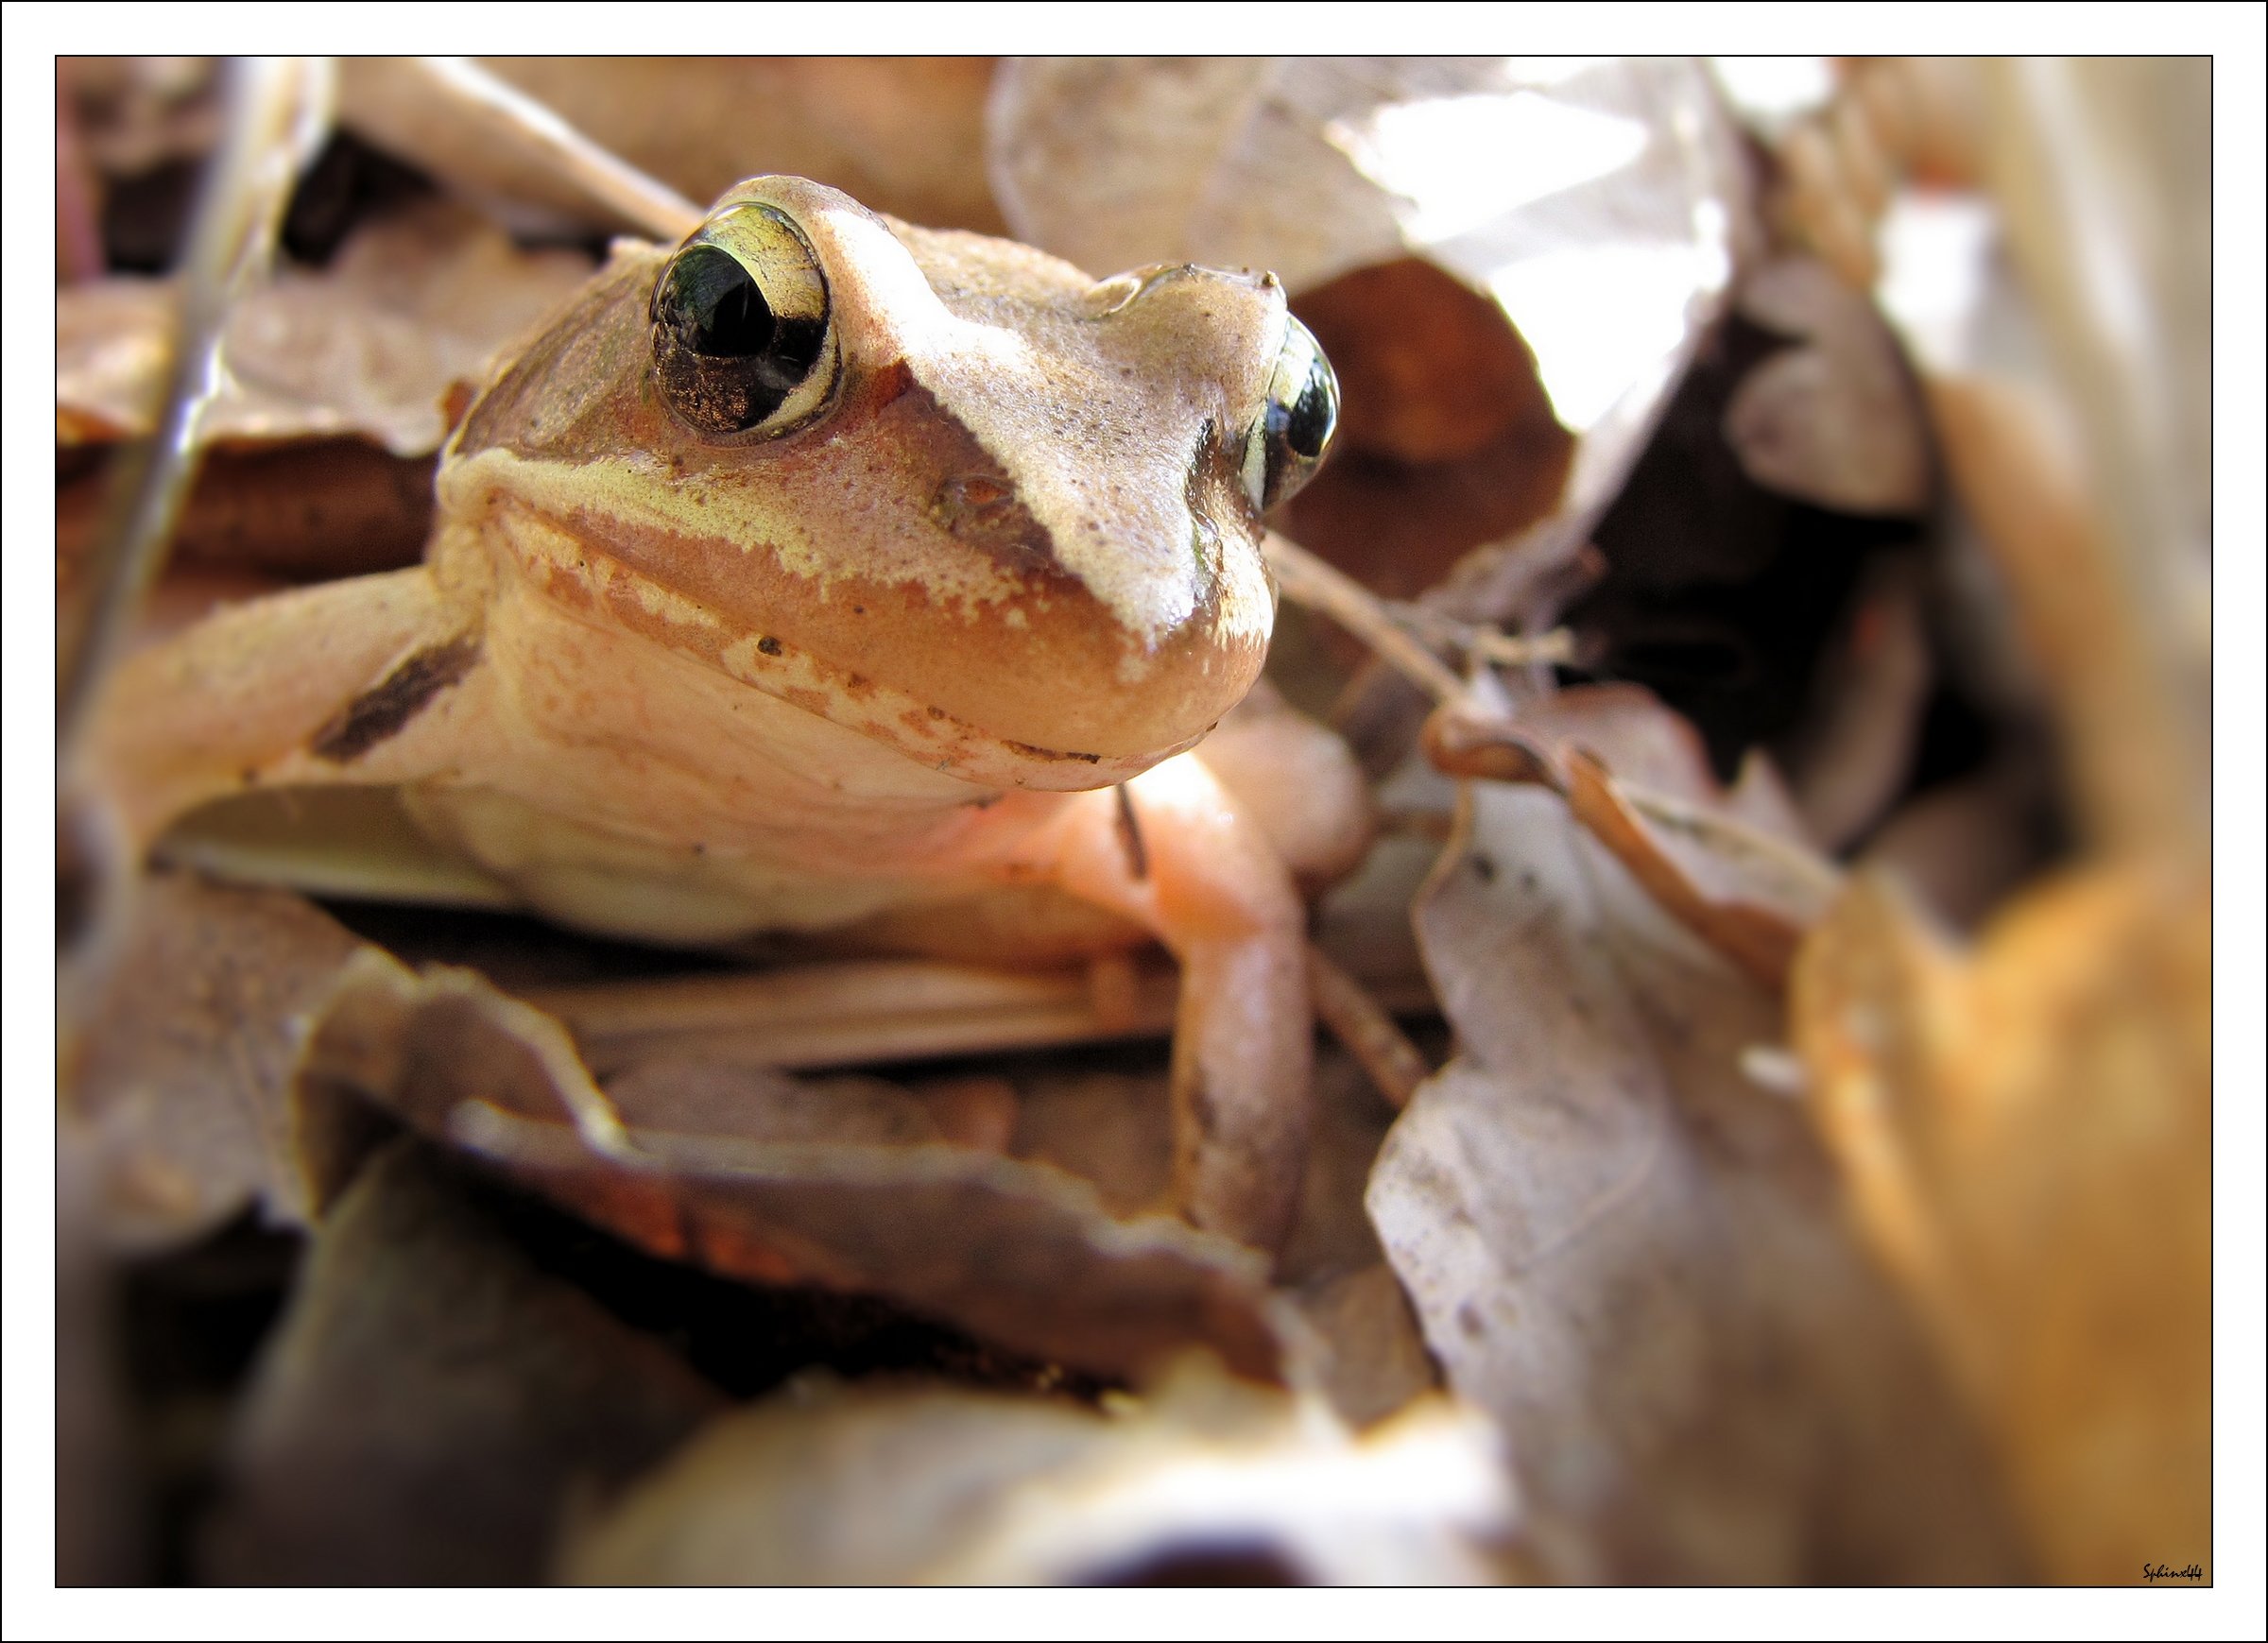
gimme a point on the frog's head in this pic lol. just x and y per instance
(943, 489)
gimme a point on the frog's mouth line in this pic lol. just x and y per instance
(613, 594)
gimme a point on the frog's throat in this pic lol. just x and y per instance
(557, 566)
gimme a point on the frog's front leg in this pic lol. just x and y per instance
(1172, 850)
(374, 679)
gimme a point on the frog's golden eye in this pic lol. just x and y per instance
(742, 332)
(1286, 445)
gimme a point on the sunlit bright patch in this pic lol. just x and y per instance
(1460, 163)
(1603, 319)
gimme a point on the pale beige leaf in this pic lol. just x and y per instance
(1204, 1478)
(1634, 1258)
(901, 135)
(483, 136)
(370, 345)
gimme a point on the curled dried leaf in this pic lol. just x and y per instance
(1012, 1252)
(1633, 1258)
(1837, 418)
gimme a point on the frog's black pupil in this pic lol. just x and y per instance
(1308, 428)
(724, 355)
(718, 308)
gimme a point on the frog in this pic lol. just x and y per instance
(824, 573)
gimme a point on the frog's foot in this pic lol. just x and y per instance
(1172, 851)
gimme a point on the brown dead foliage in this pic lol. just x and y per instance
(1024, 1256)
(1692, 1207)
(2026, 1130)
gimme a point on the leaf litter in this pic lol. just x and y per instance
(1864, 1285)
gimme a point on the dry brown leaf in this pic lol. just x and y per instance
(1634, 1258)
(1836, 419)
(1111, 1128)
(432, 1403)
(1117, 164)
(1372, 1360)
(305, 510)
(1014, 1253)
(1745, 893)
(1537, 183)
(369, 346)
(901, 135)
(692, 1098)
(1207, 1479)
(2026, 1133)
(182, 1069)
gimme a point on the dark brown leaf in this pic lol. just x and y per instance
(431, 1406)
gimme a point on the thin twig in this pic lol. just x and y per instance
(1490, 645)
(424, 106)
(1308, 580)
(841, 1014)
(868, 1013)
(276, 107)
(1361, 1023)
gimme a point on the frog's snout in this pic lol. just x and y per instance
(1279, 438)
